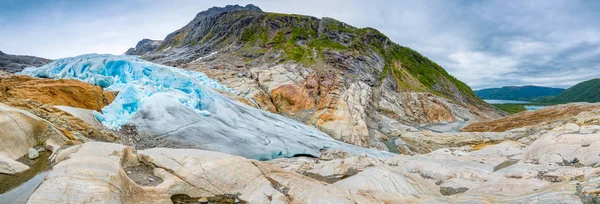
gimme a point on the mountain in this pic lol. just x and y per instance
(518, 93)
(587, 91)
(16, 63)
(354, 84)
(143, 47)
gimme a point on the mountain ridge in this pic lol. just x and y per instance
(16, 63)
(518, 93)
(586, 91)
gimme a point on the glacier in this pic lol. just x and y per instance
(134, 78)
(176, 108)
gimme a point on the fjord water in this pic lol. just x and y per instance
(528, 107)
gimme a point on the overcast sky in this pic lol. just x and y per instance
(483, 43)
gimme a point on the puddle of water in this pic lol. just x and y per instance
(391, 145)
(17, 188)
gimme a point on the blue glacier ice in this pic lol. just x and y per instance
(136, 80)
(175, 108)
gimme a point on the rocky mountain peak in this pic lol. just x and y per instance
(219, 10)
(144, 46)
(15, 63)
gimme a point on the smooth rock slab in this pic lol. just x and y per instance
(93, 172)
(570, 149)
(10, 166)
(390, 180)
(20, 131)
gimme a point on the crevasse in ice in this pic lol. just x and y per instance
(135, 79)
(174, 108)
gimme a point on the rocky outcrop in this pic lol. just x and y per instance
(548, 117)
(347, 112)
(423, 142)
(55, 92)
(16, 63)
(38, 96)
(20, 131)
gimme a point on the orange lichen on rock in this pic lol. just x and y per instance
(291, 99)
(436, 111)
(264, 102)
(55, 92)
(480, 146)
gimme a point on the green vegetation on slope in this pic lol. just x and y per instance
(301, 37)
(316, 42)
(511, 108)
(587, 91)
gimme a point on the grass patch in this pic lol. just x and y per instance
(511, 108)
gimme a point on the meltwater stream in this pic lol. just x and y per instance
(17, 188)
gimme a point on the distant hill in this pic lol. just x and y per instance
(16, 63)
(518, 93)
(587, 91)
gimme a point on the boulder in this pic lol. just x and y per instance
(32, 153)
(567, 149)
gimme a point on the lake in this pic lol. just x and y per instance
(492, 101)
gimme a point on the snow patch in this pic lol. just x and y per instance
(207, 56)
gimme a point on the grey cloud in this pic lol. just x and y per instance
(483, 43)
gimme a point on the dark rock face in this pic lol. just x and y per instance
(143, 47)
(204, 34)
(16, 63)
